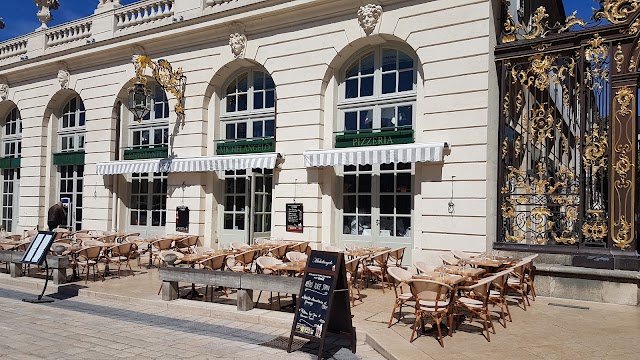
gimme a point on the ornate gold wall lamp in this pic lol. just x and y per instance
(170, 80)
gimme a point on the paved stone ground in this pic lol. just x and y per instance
(84, 328)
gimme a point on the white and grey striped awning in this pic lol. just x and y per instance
(369, 155)
(198, 164)
(133, 166)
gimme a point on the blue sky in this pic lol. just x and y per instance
(20, 15)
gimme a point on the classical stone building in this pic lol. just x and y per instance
(386, 120)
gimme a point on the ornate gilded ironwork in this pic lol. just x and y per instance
(619, 57)
(171, 80)
(617, 11)
(568, 130)
(595, 150)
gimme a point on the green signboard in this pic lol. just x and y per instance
(69, 158)
(245, 146)
(10, 162)
(160, 152)
(387, 137)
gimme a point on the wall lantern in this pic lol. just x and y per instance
(170, 80)
(139, 101)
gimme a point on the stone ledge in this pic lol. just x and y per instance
(589, 273)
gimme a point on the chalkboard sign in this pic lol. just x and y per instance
(294, 217)
(182, 219)
(323, 303)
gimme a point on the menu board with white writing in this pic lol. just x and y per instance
(315, 294)
(323, 304)
(314, 303)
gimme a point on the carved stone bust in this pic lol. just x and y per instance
(238, 43)
(4, 92)
(63, 78)
(368, 17)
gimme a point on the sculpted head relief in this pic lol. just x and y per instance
(368, 16)
(63, 78)
(4, 92)
(238, 43)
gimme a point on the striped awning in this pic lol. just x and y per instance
(369, 155)
(197, 164)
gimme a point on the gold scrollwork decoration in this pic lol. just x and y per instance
(619, 57)
(633, 28)
(505, 148)
(519, 101)
(617, 11)
(505, 105)
(517, 146)
(596, 145)
(624, 96)
(537, 27)
(622, 237)
(514, 238)
(564, 238)
(541, 124)
(623, 166)
(171, 80)
(571, 21)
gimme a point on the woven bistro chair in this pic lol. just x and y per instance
(121, 254)
(476, 302)
(461, 255)
(263, 266)
(279, 252)
(107, 239)
(432, 301)
(187, 244)
(160, 245)
(517, 283)
(295, 256)
(498, 297)
(396, 256)
(398, 276)
(331, 248)
(354, 279)
(529, 275)
(239, 246)
(422, 267)
(214, 263)
(377, 268)
(449, 259)
(90, 257)
(242, 262)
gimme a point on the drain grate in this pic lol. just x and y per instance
(281, 343)
(570, 306)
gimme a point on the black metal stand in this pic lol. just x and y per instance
(41, 299)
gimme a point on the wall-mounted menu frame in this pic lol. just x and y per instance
(295, 215)
(39, 248)
(323, 302)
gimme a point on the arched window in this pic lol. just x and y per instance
(148, 191)
(72, 126)
(11, 148)
(378, 91)
(249, 106)
(153, 130)
(70, 160)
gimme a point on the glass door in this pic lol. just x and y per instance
(10, 196)
(262, 195)
(70, 192)
(235, 216)
(377, 206)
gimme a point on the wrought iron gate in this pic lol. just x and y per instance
(568, 140)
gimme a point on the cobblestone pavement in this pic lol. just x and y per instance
(84, 328)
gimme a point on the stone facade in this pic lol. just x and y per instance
(305, 46)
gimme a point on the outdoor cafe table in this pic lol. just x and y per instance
(469, 272)
(491, 265)
(192, 260)
(289, 267)
(365, 252)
